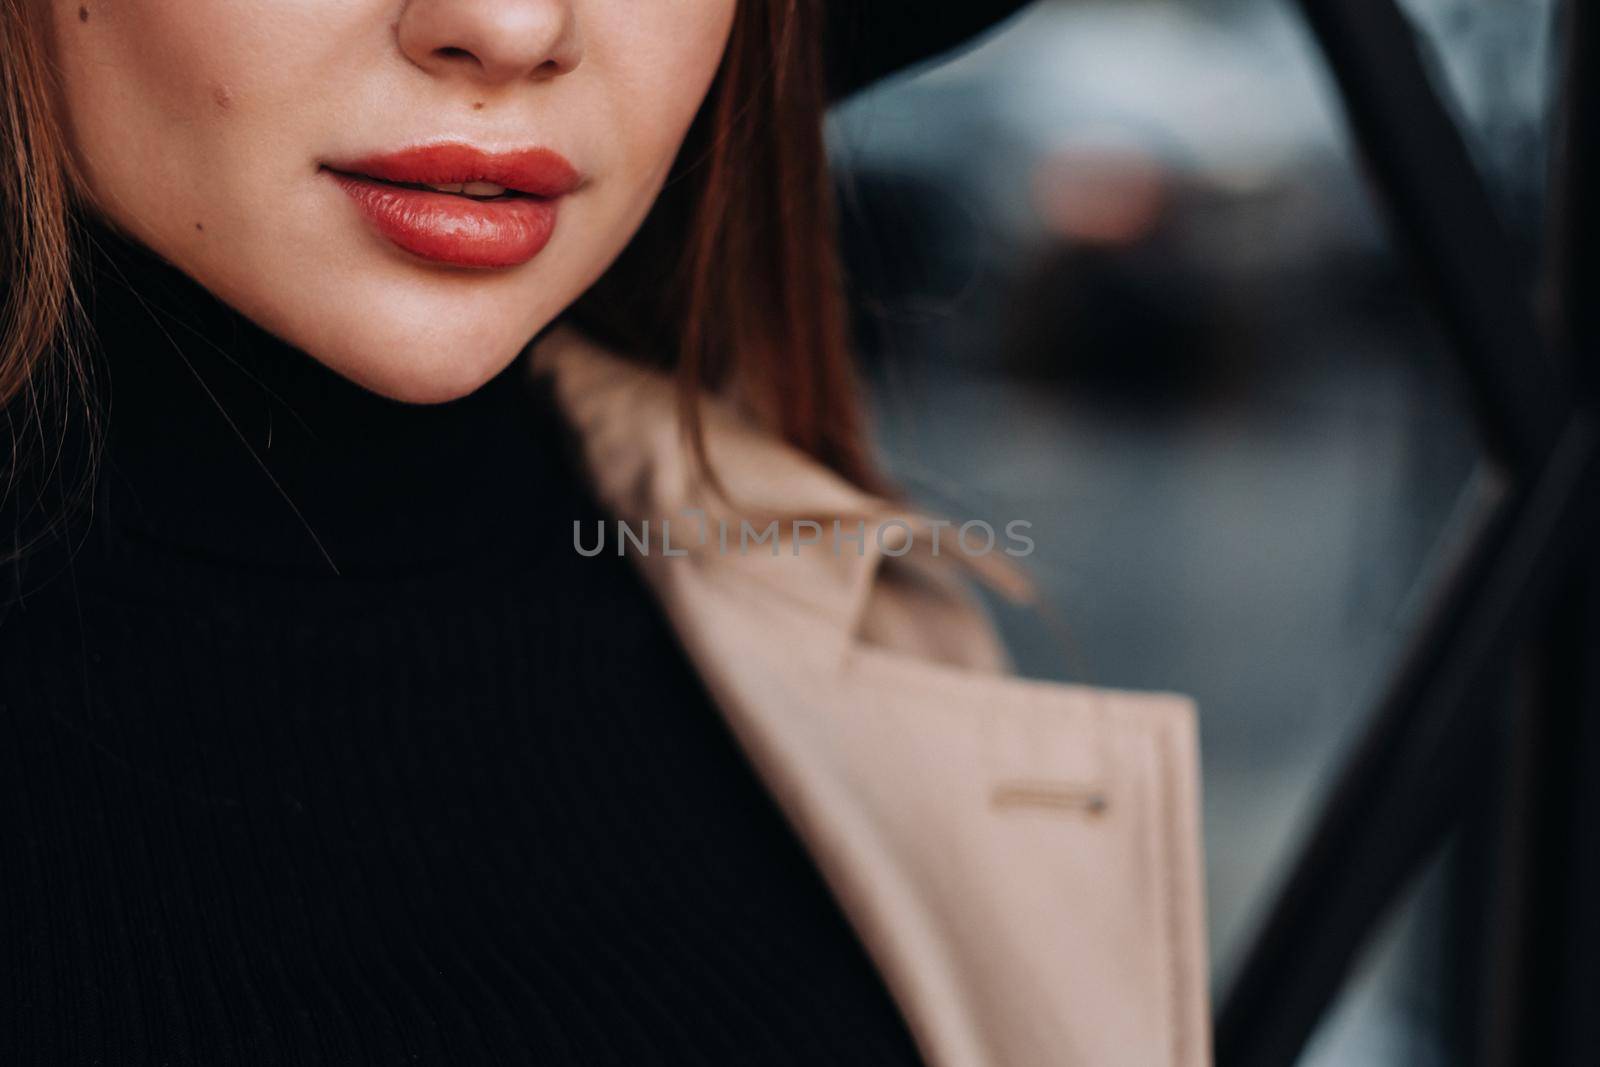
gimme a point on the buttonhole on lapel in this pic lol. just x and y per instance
(1054, 795)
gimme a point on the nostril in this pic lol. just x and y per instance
(488, 42)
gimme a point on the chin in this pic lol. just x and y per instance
(423, 364)
(411, 333)
(421, 380)
(429, 374)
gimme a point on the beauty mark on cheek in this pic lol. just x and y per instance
(222, 96)
(83, 14)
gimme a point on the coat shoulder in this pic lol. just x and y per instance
(1021, 858)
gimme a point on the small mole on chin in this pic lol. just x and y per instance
(478, 106)
(222, 97)
(199, 226)
(83, 13)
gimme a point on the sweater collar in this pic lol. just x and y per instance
(226, 441)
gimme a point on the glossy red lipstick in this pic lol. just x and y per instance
(477, 225)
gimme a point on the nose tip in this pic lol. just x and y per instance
(491, 41)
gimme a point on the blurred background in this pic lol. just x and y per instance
(1119, 273)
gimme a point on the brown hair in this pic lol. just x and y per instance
(736, 271)
(733, 278)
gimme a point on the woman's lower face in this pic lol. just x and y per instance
(408, 190)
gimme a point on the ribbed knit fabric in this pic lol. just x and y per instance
(319, 744)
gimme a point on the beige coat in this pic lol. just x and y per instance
(1020, 858)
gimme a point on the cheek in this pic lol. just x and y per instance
(659, 61)
(158, 67)
(160, 91)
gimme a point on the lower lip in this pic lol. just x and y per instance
(454, 230)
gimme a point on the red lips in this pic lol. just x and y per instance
(454, 228)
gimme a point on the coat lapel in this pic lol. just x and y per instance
(1020, 858)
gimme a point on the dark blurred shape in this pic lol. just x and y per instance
(1109, 304)
(907, 254)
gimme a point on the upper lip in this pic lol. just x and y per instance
(535, 171)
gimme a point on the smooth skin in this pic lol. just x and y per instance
(202, 125)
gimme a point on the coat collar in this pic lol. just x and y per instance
(1020, 858)
(626, 418)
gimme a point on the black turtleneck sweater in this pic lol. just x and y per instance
(319, 744)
